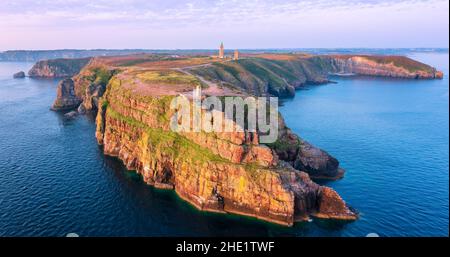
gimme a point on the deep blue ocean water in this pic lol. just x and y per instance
(392, 137)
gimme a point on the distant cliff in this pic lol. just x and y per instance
(38, 55)
(57, 68)
(281, 74)
(383, 66)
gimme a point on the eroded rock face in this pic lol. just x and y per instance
(90, 84)
(331, 206)
(219, 172)
(19, 75)
(65, 96)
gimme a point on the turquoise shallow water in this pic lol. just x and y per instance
(390, 135)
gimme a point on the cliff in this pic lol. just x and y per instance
(39, 55)
(383, 66)
(57, 68)
(281, 74)
(219, 172)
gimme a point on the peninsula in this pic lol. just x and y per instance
(219, 172)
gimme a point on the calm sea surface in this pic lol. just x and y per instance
(392, 137)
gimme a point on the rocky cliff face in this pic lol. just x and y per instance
(280, 75)
(57, 68)
(65, 96)
(262, 76)
(303, 156)
(220, 172)
(383, 66)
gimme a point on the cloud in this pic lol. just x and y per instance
(259, 19)
(157, 13)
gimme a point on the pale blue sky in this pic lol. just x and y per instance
(171, 24)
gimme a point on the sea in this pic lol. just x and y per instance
(390, 135)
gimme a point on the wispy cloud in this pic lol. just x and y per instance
(200, 16)
(70, 12)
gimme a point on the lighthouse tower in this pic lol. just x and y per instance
(221, 51)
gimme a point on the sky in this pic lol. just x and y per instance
(203, 24)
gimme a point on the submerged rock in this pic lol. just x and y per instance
(71, 115)
(57, 68)
(81, 109)
(65, 96)
(19, 75)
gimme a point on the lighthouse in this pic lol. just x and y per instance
(221, 51)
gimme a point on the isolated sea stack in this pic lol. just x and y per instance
(19, 75)
(65, 96)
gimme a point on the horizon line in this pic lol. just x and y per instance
(231, 48)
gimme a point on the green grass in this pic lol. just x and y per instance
(146, 59)
(282, 145)
(104, 103)
(170, 142)
(228, 68)
(101, 76)
(168, 77)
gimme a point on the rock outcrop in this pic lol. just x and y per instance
(264, 76)
(19, 75)
(304, 156)
(71, 115)
(90, 84)
(65, 96)
(57, 68)
(280, 75)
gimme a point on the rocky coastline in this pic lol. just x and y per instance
(219, 172)
(57, 68)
